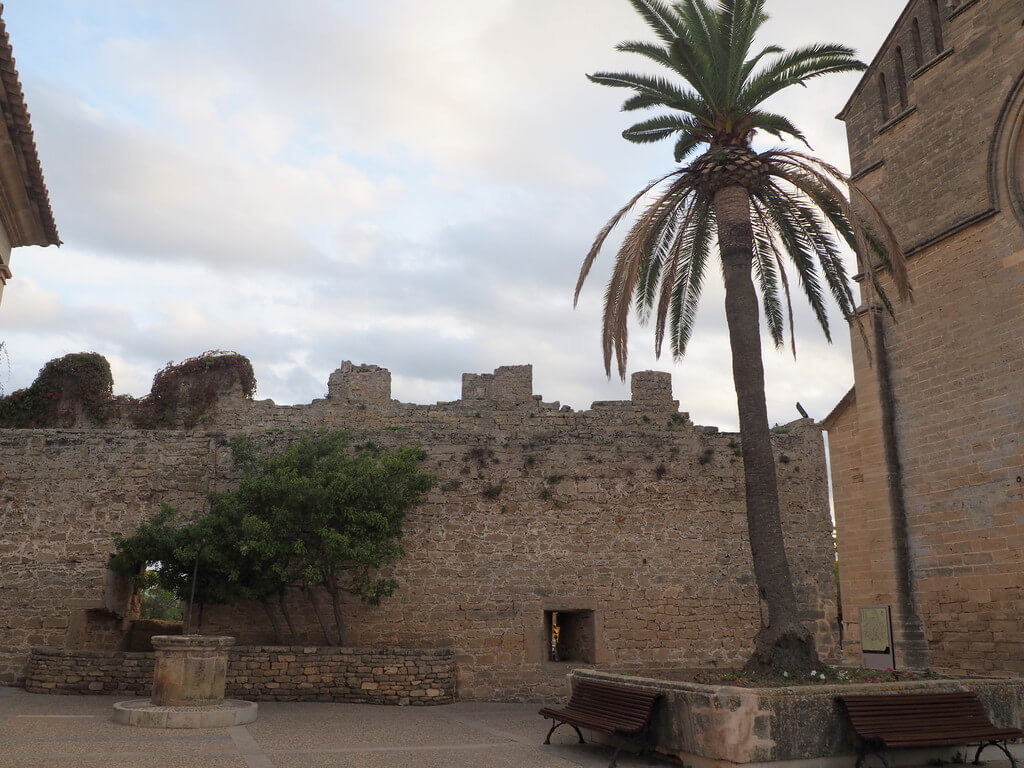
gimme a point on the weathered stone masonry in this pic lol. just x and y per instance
(627, 514)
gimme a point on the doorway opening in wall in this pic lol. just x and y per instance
(570, 636)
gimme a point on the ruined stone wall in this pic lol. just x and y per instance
(949, 175)
(354, 675)
(626, 511)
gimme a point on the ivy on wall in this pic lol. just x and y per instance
(183, 393)
(73, 384)
(81, 384)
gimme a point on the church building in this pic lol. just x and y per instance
(927, 448)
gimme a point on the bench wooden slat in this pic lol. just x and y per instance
(605, 707)
(923, 720)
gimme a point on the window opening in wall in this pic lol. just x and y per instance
(901, 78)
(937, 27)
(883, 96)
(915, 33)
(570, 636)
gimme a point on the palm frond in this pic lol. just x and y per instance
(650, 240)
(686, 292)
(797, 67)
(659, 89)
(776, 125)
(765, 266)
(658, 16)
(595, 249)
(635, 251)
(753, 61)
(811, 223)
(661, 127)
(681, 287)
(741, 19)
(686, 145)
(887, 249)
(800, 249)
(651, 51)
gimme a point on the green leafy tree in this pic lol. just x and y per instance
(320, 513)
(331, 515)
(186, 557)
(760, 207)
(157, 602)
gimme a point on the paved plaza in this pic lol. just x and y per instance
(38, 731)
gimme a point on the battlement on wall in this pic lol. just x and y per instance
(360, 383)
(509, 386)
(214, 391)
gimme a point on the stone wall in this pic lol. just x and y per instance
(263, 673)
(626, 512)
(954, 564)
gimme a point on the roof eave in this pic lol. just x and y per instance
(25, 213)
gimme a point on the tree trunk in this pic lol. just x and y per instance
(287, 617)
(278, 638)
(336, 605)
(332, 588)
(319, 616)
(784, 643)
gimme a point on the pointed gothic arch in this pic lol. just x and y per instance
(1006, 158)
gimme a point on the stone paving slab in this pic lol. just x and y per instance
(38, 731)
(126, 759)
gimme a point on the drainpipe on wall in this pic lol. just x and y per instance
(914, 645)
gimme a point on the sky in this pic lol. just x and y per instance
(403, 183)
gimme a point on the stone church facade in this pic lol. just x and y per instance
(927, 449)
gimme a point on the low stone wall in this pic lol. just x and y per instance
(263, 673)
(55, 670)
(717, 726)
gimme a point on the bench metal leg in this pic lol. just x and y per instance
(556, 725)
(615, 757)
(1001, 745)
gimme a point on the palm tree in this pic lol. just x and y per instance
(760, 206)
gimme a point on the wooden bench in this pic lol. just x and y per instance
(608, 708)
(924, 720)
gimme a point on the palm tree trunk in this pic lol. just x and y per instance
(784, 643)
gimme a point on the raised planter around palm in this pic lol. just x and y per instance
(723, 725)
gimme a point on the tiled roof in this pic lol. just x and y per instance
(19, 125)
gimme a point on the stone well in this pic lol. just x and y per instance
(190, 670)
(188, 687)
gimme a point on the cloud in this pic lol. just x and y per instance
(123, 189)
(402, 183)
